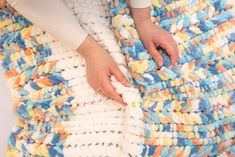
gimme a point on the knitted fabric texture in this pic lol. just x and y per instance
(59, 114)
(189, 108)
(185, 110)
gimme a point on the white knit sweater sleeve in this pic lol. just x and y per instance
(140, 3)
(53, 17)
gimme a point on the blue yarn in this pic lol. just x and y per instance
(34, 85)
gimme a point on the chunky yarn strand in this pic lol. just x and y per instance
(189, 108)
(173, 111)
(59, 114)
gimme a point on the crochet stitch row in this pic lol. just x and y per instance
(189, 108)
(58, 112)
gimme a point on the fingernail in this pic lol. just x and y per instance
(160, 63)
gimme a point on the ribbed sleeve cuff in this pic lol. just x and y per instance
(140, 3)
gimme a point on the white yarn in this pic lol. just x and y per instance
(100, 126)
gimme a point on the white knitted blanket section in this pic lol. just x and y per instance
(101, 126)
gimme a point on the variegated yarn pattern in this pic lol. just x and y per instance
(189, 108)
(59, 114)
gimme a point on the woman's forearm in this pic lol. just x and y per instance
(140, 10)
(140, 15)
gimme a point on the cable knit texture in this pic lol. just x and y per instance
(183, 110)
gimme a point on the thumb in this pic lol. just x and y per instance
(120, 76)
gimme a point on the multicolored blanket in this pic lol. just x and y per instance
(184, 110)
(190, 107)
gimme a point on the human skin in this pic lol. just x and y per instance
(153, 36)
(100, 65)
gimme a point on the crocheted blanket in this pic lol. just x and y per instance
(189, 108)
(184, 110)
(59, 114)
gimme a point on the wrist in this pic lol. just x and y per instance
(143, 24)
(86, 47)
(141, 15)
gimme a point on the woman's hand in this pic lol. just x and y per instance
(100, 66)
(153, 36)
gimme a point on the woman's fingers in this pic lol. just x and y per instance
(171, 49)
(155, 54)
(106, 87)
(120, 76)
(109, 91)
